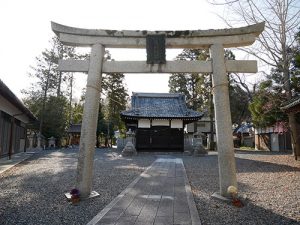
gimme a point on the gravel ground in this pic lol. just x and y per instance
(33, 191)
(269, 184)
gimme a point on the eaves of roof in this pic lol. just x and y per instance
(11, 97)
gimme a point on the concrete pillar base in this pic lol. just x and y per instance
(93, 194)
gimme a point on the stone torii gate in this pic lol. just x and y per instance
(214, 40)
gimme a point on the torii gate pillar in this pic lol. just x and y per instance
(227, 170)
(89, 122)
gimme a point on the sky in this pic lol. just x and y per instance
(26, 31)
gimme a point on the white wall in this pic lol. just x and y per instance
(274, 142)
(176, 124)
(160, 123)
(143, 123)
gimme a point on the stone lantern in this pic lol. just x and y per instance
(129, 149)
(198, 148)
(51, 142)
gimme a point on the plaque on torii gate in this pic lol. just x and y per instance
(156, 49)
(214, 40)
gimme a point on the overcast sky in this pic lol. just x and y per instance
(25, 32)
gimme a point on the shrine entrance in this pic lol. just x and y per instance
(156, 42)
(157, 138)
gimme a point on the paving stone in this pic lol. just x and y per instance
(114, 213)
(125, 202)
(136, 206)
(106, 221)
(164, 220)
(158, 198)
(126, 220)
(182, 218)
(143, 223)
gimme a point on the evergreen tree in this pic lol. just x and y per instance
(116, 100)
(48, 83)
(55, 123)
(295, 66)
(265, 107)
(194, 86)
(197, 87)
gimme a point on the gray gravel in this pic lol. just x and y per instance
(269, 184)
(33, 191)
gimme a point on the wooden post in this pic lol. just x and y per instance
(11, 140)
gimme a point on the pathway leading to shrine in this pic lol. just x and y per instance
(161, 196)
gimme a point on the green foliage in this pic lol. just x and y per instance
(197, 87)
(295, 66)
(77, 112)
(102, 124)
(265, 107)
(194, 86)
(55, 121)
(239, 102)
(49, 91)
(116, 99)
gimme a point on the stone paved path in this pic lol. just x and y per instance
(159, 196)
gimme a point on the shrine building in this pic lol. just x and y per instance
(158, 120)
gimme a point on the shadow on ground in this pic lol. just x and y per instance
(269, 189)
(33, 191)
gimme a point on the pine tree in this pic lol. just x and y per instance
(116, 99)
(48, 84)
(193, 85)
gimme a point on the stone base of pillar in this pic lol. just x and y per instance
(218, 196)
(92, 195)
(129, 149)
(238, 201)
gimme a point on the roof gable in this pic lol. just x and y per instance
(291, 105)
(159, 105)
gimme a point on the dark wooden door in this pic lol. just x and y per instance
(5, 131)
(159, 139)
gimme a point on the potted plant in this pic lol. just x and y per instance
(75, 195)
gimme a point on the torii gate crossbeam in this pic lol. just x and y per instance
(215, 40)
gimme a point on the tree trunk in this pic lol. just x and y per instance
(59, 84)
(44, 104)
(211, 116)
(294, 136)
(292, 120)
(70, 101)
(106, 142)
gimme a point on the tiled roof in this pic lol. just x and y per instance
(291, 103)
(74, 128)
(160, 105)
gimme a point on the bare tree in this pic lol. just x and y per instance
(282, 19)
